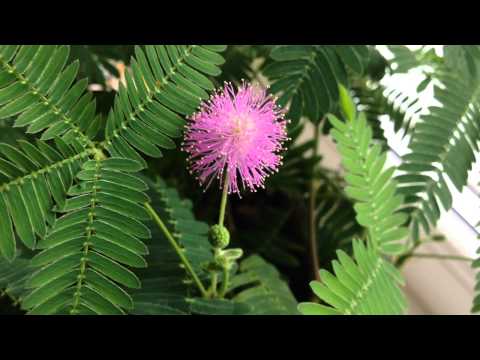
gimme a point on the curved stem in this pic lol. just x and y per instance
(177, 249)
(312, 234)
(223, 203)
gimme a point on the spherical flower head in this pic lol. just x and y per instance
(238, 132)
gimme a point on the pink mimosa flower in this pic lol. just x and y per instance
(240, 132)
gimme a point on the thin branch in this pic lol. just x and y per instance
(177, 249)
(223, 202)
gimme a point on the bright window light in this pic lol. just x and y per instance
(458, 224)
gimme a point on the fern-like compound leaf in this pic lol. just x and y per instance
(364, 285)
(462, 59)
(32, 178)
(13, 276)
(84, 265)
(36, 87)
(368, 283)
(167, 82)
(307, 76)
(443, 143)
(401, 109)
(259, 285)
(370, 184)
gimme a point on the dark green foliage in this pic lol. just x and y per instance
(13, 277)
(86, 254)
(377, 65)
(36, 86)
(32, 178)
(264, 231)
(335, 218)
(263, 290)
(293, 177)
(166, 84)
(167, 288)
(306, 77)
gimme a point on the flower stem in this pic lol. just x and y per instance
(226, 276)
(213, 286)
(221, 218)
(223, 203)
(177, 249)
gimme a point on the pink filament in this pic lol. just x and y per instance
(241, 132)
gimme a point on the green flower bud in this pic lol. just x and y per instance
(219, 236)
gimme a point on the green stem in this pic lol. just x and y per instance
(213, 286)
(177, 249)
(223, 203)
(226, 278)
(221, 218)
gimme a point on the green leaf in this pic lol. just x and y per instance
(346, 103)
(373, 291)
(443, 141)
(39, 90)
(7, 239)
(307, 77)
(166, 84)
(93, 242)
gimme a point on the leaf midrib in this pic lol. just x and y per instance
(43, 98)
(364, 288)
(45, 170)
(77, 295)
(159, 85)
(431, 184)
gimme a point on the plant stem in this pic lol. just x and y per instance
(443, 257)
(177, 249)
(226, 275)
(221, 219)
(223, 202)
(213, 286)
(312, 234)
